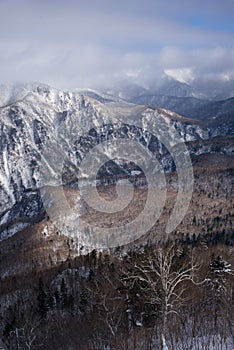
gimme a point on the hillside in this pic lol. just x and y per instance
(93, 190)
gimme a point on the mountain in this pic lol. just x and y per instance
(66, 158)
(185, 99)
(170, 84)
(216, 115)
(38, 121)
(130, 89)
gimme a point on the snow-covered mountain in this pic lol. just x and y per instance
(213, 103)
(37, 120)
(151, 89)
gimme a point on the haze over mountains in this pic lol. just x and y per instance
(174, 83)
(212, 104)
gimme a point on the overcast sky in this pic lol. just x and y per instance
(73, 43)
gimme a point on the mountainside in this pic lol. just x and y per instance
(155, 185)
(40, 115)
(40, 125)
(213, 105)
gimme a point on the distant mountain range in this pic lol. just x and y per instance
(165, 85)
(217, 115)
(210, 102)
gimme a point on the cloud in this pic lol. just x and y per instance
(72, 43)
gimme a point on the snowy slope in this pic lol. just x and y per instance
(35, 120)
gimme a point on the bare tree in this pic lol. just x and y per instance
(108, 303)
(26, 332)
(162, 275)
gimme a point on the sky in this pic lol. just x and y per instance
(76, 44)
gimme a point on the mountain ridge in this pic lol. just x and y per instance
(27, 125)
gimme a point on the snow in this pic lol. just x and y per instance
(213, 342)
(37, 113)
(5, 176)
(135, 172)
(182, 75)
(164, 345)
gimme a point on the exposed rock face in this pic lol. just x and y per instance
(41, 120)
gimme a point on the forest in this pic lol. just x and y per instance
(174, 295)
